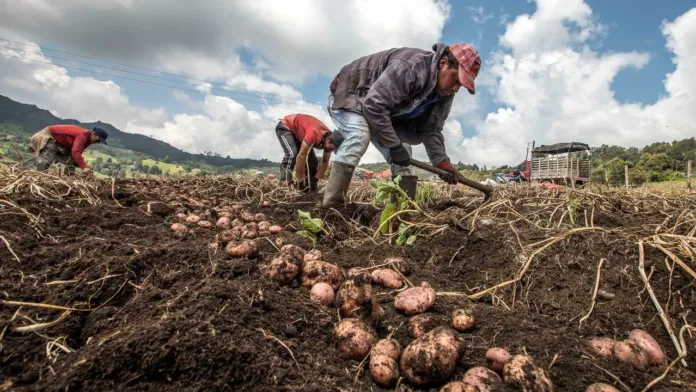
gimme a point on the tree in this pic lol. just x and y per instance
(155, 170)
(167, 159)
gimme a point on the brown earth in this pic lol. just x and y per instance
(156, 312)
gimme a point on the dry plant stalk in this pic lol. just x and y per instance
(594, 295)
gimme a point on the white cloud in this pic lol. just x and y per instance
(478, 14)
(551, 87)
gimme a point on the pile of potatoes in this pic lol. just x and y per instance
(640, 349)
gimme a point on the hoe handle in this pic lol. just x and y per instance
(487, 191)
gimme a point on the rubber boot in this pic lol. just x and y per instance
(408, 184)
(337, 186)
(285, 176)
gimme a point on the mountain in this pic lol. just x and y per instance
(31, 119)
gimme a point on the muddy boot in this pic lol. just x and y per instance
(337, 186)
(408, 184)
(285, 176)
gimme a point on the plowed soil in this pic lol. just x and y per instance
(150, 311)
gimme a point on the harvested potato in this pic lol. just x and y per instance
(294, 251)
(237, 222)
(275, 229)
(205, 224)
(433, 357)
(387, 278)
(421, 324)
(225, 214)
(263, 233)
(259, 217)
(181, 216)
(601, 387)
(249, 234)
(266, 203)
(416, 299)
(357, 271)
(241, 249)
(484, 379)
(283, 269)
(384, 370)
(312, 255)
(496, 358)
(645, 341)
(223, 223)
(399, 263)
(630, 352)
(463, 320)
(321, 271)
(193, 219)
(214, 245)
(264, 225)
(178, 227)
(251, 226)
(387, 347)
(356, 299)
(354, 338)
(521, 373)
(458, 386)
(247, 216)
(322, 293)
(604, 347)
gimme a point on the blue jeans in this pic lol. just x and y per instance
(357, 137)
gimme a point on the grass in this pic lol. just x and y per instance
(669, 185)
(172, 168)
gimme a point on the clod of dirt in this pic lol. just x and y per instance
(355, 298)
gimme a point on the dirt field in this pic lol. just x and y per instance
(130, 306)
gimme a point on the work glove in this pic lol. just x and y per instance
(399, 156)
(453, 176)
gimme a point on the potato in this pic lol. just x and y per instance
(496, 358)
(223, 223)
(322, 293)
(357, 271)
(629, 351)
(181, 216)
(263, 233)
(252, 226)
(421, 324)
(521, 373)
(205, 224)
(178, 227)
(384, 370)
(458, 386)
(266, 203)
(321, 271)
(237, 222)
(356, 299)
(241, 249)
(601, 387)
(225, 214)
(433, 357)
(259, 217)
(645, 341)
(264, 225)
(399, 263)
(214, 245)
(293, 250)
(249, 234)
(236, 208)
(463, 320)
(193, 219)
(247, 216)
(312, 255)
(416, 299)
(387, 278)
(387, 347)
(484, 379)
(604, 347)
(283, 269)
(354, 338)
(275, 229)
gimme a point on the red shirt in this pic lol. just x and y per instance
(74, 138)
(306, 128)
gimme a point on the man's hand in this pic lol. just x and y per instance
(303, 186)
(398, 155)
(87, 172)
(453, 176)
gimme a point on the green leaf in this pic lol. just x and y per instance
(387, 212)
(307, 234)
(411, 240)
(403, 235)
(313, 225)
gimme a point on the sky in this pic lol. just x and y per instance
(217, 75)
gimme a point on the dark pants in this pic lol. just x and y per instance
(291, 147)
(53, 153)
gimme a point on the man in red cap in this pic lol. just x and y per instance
(64, 144)
(394, 99)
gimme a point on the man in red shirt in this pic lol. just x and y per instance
(64, 144)
(299, 135)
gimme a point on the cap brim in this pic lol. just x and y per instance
(467, 80)
(103, 142)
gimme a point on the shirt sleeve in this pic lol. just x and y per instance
(79, 146)
(311, 137)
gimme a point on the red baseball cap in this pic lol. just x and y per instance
(469, 64)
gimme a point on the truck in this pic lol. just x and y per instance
(567, 164)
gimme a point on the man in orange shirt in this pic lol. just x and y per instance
(64, 144)
(299, 135)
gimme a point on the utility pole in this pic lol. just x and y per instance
(626, 174)
(688, 175)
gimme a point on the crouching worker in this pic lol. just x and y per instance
(299, 135)
(64, 144)
(394, 99)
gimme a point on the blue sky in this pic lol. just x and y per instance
(610, 86)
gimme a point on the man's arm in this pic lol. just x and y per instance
(430, 131)
(324, 164)
(301, 161)
(78, 147)
(392, 87)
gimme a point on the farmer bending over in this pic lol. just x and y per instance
(64, 144)
(299, 134)
(396, 98)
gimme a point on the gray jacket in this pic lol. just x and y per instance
(394, 82)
